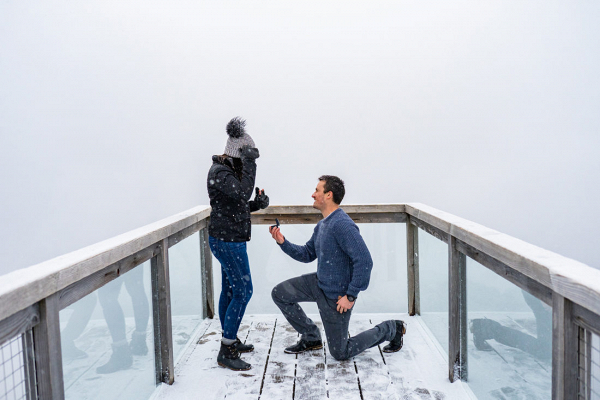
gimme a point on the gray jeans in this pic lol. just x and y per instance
(305, 288)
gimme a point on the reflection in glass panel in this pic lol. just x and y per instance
(186, 290)
(433, 280)
(509, 339)
(107, 340)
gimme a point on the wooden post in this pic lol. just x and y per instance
(564, 350)
(161, 306)
(208, 298)
(48, 353)
(29, 365)
(457, 304)
(412, 261)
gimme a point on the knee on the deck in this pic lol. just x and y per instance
(338, 354)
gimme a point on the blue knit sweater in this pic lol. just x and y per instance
(344, 262)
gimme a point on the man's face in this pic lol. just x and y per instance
(319, 196)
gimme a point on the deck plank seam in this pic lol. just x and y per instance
(387, 368)
(356, 372)
(267, 361)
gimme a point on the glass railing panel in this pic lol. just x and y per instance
(186, 291)
(269, 266)
(107, 341)
(433, 280)
(509, 338)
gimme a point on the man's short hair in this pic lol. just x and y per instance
(334, 185)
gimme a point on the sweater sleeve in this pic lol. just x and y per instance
(236, 188)
(304, 253)
(351, 242)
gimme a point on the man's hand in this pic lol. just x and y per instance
(343, 304)
(276, 233)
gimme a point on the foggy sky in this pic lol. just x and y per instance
(110, 112)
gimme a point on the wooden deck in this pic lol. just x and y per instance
(418, 371)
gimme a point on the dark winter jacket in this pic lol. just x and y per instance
(230, 199)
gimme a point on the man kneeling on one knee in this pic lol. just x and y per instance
(343, 270)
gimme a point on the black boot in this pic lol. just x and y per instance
(304, 345)
(120, 359)
(138, 344)
(229, 357)
(398, 340)
(242, 347)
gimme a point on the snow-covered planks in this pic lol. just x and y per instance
(373, 374)
(281, 369)
(311, 383)
(416, 372)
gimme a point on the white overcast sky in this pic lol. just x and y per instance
(110, 111)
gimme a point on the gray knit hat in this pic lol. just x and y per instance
(238, 138)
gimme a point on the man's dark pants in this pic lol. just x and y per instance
(305, 288)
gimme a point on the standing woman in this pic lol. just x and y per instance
(230, 184)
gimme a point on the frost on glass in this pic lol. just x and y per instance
(433, 278)
(107, 340)
(186, 290)
(509, 338)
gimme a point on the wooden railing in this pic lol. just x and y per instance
(31, 298)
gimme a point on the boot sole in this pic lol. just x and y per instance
(245, 351)
(234, 369)
(305, 350)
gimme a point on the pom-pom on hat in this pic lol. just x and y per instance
(238, 138)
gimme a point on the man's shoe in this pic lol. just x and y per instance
(120, 359)
(241, 347)
(398, 340)
(229, 357)
(304, 345)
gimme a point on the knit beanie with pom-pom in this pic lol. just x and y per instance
(238, 138)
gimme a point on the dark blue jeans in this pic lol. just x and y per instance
(305, 288)
(236, 284)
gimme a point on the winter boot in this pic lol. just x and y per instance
(138, 344)
(398, 341)
(229, 357)
(71, 352)
(120, 359)
(242, 347)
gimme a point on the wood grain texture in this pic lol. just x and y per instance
(18, 323)
(564, 350)
(412, 261)
(206, 274)
(48, 353)
(187, 232)
(515, 277)
(457, 304)
(362, 214)
(84, 287)
(29, 365)
(161, 306)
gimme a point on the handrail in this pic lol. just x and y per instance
(31, 298)
(571, 279)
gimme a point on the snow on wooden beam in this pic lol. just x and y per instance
(24, 287)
